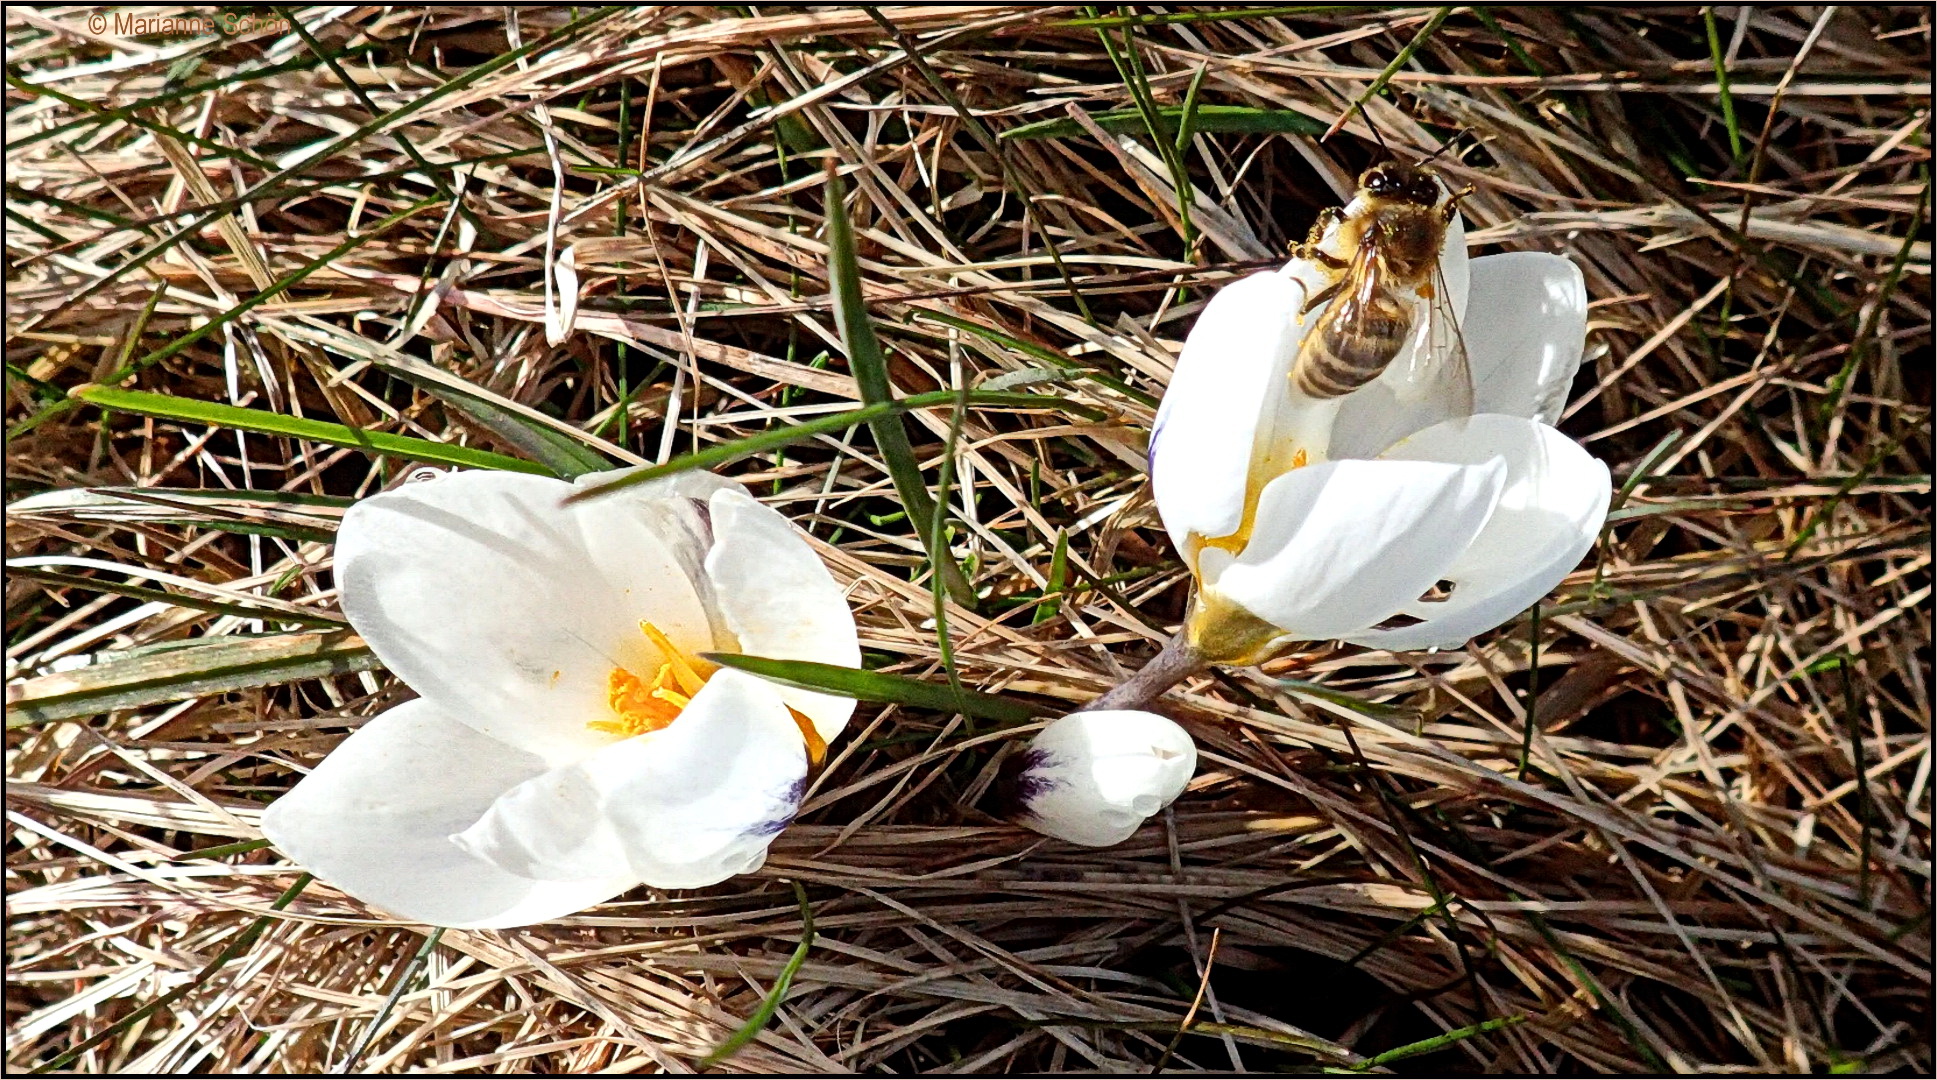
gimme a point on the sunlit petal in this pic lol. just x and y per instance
(687, 806)
(509, 610)
(1341, 546)
(375, 820)
(1549, 514)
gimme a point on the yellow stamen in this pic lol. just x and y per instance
(639, 706)
(688, 673)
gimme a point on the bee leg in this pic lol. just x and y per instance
(1452, 202)
(1322, 295)
(1318, 255)
(1327, 218)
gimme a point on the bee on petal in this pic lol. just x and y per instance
(1385, 260)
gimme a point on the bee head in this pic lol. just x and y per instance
(1395, 181)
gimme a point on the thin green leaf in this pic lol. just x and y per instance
(1052, 601)
(1390, 70)
(1438, 1042)
(1722, 83)
(219, 851)
(195, 669)
(1218, 15)
(217, 414)
(405, 978)
(1187, 120)
(870, 368)
(183, 600)
(879, 686)
(1046, 355)
(770, 1004)
(1229, 119)
(715, 456)
(556, 451)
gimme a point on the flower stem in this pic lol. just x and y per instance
(1178, 661)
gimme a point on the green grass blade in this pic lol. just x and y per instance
(556, 451)
(1439, 1042)
(1385, 76)
(870, 369)
(412, 968)
(1722, 84)
(879, 686)
(184, 600)
(217, 414)
(1373, 709)
(1187, 119)
(715, 456)
(1052, 601)
(195, 669)
(770, 1004)
(1221, 119)
(1046, 355)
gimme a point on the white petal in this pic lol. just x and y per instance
(1549, 515)
(1340, 547)
(1525, 337)
(507, 609)
(687, 806)
(1233, 363)
(1092, 778)
(778, 599)
(674, 508)
(375, 818)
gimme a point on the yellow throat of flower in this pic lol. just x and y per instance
(639, 706)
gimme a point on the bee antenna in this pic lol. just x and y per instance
(1376, 136)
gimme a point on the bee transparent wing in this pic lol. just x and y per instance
(1442, 373)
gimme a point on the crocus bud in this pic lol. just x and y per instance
(1092, 778)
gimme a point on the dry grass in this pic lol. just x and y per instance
(1716, 853)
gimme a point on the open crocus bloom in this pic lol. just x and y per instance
(1092, 778)
(1382, 517)
(568, 742)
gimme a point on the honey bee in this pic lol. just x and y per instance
(1394, 230)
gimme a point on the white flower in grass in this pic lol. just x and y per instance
(567, 743)
(1092, 778)
(1382, 517)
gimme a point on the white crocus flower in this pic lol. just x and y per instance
(567, 742)
(1379, 518)
(1092, 778)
